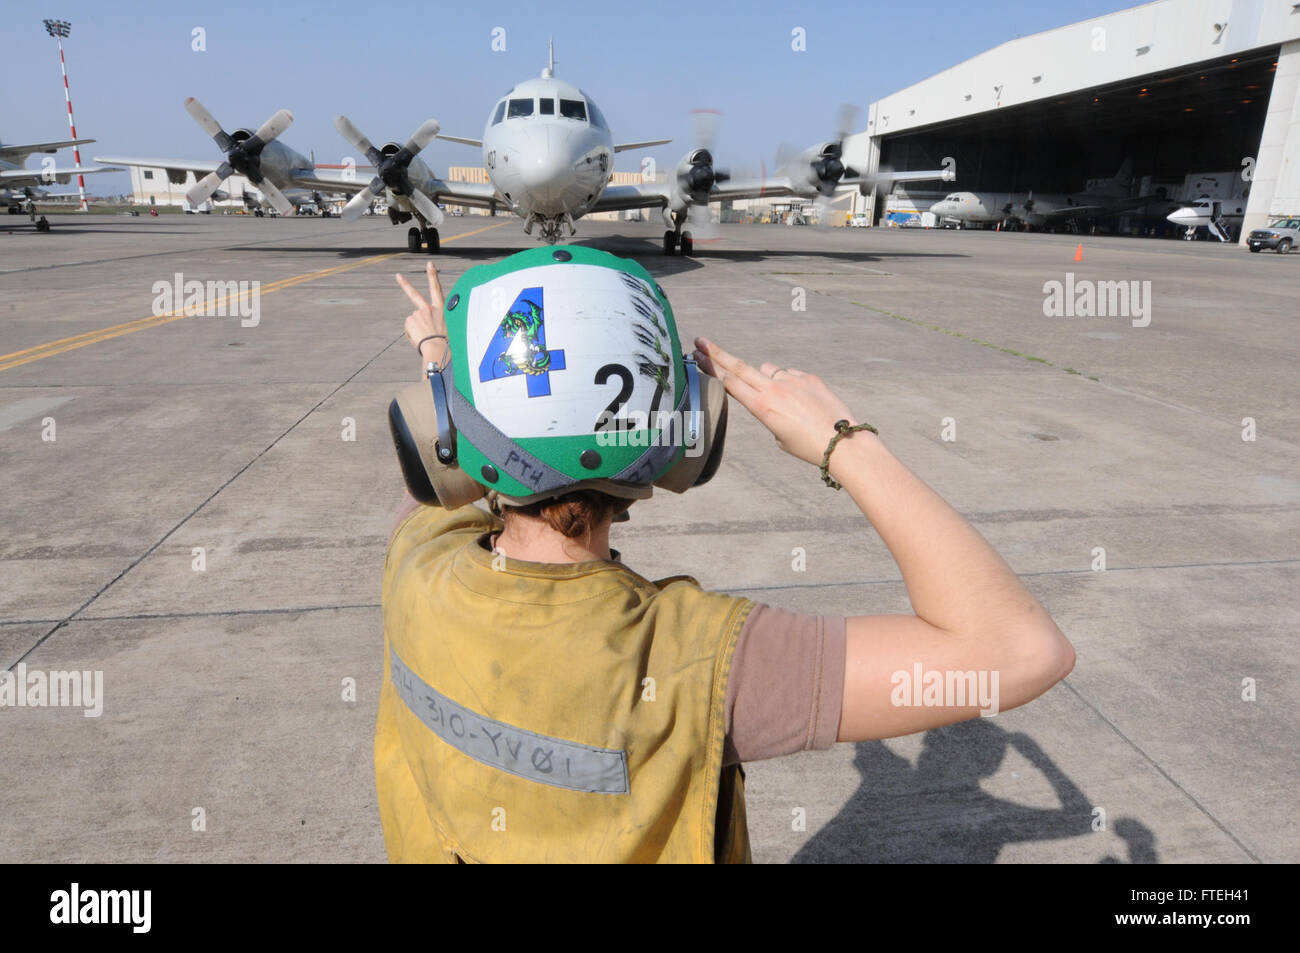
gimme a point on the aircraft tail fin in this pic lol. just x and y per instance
(1122, 182)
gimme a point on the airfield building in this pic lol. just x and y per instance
(1202, 95)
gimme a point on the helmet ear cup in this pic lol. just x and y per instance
(701, 460)
(408, 456)
(715, 446)
(413, 421)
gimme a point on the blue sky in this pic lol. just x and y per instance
(390, 66)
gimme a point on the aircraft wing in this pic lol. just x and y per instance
(472, 194)
(1097, 209)
(11, 177)
(179, 165)
(618, 197)
(864, 182)
(18, 154)
(615, 198)
(773, 186)
(625, 146)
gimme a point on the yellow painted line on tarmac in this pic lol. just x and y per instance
(226, 305)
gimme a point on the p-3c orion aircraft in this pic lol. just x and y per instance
(548, 152)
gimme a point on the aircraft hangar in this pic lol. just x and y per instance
(1197, 93)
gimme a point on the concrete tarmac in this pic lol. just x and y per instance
(184, 511)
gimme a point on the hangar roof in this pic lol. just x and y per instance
(1151, 38)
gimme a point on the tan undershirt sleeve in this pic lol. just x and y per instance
(786, 687)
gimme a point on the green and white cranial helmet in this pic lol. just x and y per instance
(566, 372)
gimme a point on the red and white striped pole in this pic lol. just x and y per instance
(59, 29)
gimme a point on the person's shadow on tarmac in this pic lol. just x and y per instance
(937, 812)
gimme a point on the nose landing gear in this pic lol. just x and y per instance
(551, 228)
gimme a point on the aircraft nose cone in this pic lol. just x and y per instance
(545, 171)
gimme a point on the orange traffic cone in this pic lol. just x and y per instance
(1078, 252)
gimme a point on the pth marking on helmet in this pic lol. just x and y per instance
(519, 346)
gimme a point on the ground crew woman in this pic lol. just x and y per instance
(544, 703)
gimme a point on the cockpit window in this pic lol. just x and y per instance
(500, 113)
(593, 113)
(573, 109)
(520, 107)
(546, 107)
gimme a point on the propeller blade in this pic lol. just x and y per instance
(202, 190)
(705, 123)
(847, 117)
(275, 197)
(209, 125)
(361, 201)
(274, 126)
(822, 206)
(354, 135)
(422, 136)
(785, 155)
(427, 207)
(699, 218)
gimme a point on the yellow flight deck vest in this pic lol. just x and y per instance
(546, 713)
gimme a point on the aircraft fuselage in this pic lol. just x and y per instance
(548, 151)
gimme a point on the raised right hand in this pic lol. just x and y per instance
(798, 408)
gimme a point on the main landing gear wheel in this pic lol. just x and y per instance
(413, 240)
(431, 244)
(687, 244)
(670, 242)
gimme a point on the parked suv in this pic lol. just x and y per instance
(1282, 235)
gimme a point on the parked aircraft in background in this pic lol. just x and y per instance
(1217, 216)
(1044, 210)
(18, 184)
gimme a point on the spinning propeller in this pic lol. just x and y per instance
(391, 172)
(243, 156)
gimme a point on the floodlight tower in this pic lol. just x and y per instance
(60, 29)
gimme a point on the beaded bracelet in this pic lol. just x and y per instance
(842, 429)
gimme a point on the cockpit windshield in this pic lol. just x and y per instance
(573, 109)
(519, 108)
(593, 113)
